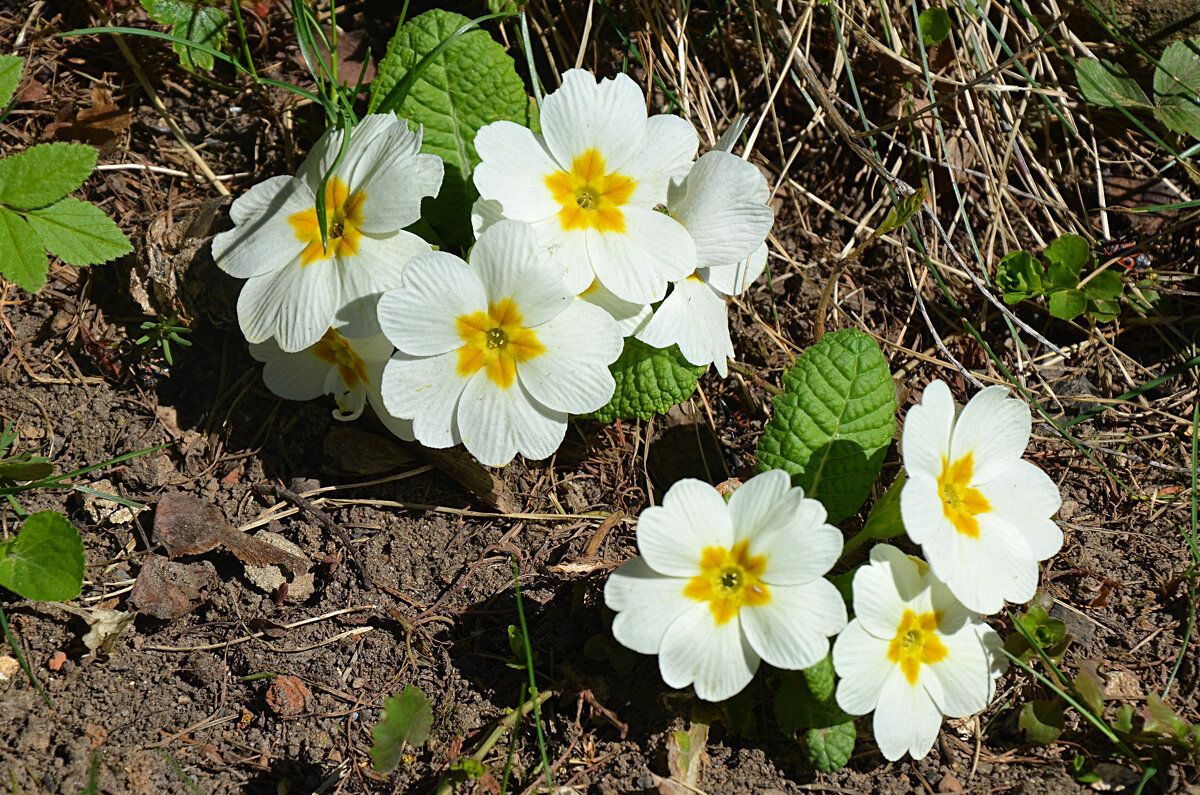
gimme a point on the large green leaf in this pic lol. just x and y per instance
(44, 562)
(470, 83)
(78, 233)
(407, 718)
(43, 174)
(22, 260)
(1177, 88)
(649, 381)
(197, 21)
(10, 74)
(822, 729)
(1108, 85)
(833, 422)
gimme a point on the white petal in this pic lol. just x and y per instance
(717, 206)
(925, 519)
(672, 536)
(995, 428)
(637, 264)
(327, 149)
(964, 675)
(401, 428)
(666, 153)
(695, 318)
(646, 604)
(756, 500)
(995, 567)
(717, 658)
(512, 265)
(883, 590)
(377, 267)
(419, 317)
(485, 213)
(925, 440)
(496, 423)
(262, 240)
(572, 375)
(350, 399)
(630, 317)
(1024, 497)
(792, 629)
(800, 547)
(514, 164)
(294, 376)
(906, 719)
(862, 666)
(394, 178)
(425, 390)
(734, 279)
(294, 305)
(609, 117)
(569, 254)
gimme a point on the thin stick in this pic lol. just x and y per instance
(286, 494)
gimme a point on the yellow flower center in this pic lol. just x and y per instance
(591, 198)
(728, 579)
(960, 502)
(343, 216)
(335, 349)
(915, 643)
(497, 341)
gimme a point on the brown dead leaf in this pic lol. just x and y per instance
(100, 125)
(169, 590)
(188, 525)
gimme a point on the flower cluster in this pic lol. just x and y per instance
(581, 230)
(720, 586)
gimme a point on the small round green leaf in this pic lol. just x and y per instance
(1042, 721)
(934, 24)
(45, 560)
(407, 718)
(1020, 276)
(1067, 304)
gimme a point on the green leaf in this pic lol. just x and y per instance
(1177, 86)
(34, 469)
(44, 562)
(43, 174)
(829, 747)
(649, 381)
(1105, 284)
(1050, 634)
(906, 208)
(470, 83)
(1067, 304)
(1108, 85)
(1123, 719)
(10, 75)
(834, 421)
(407, 718)
(1069, 252)
(1161, 719)
(934, 24)
(22, 260)
(820, 679)
(197, 22)
(1089, 684)
(1042, 721)
(1020, 276)
(1104, 309)
(78, 233)
(884, 521)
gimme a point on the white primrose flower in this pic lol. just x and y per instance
(722, 204)
(913, 653)
(980, 512)
(497, 353)
(720, 586)
(298, 288)
(591, 182)
(349, 369)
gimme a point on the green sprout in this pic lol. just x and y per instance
(162, 332)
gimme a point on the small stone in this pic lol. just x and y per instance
(8, 667)
(169, 590)
(57, 661)
(288, 696)
(949, 784)
(269, 578)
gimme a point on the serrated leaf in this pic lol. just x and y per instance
(1177, 88)
(43, 174)
(199, 22)
(934, 24)
(44, 562)
(1042, 721)
(470, 83)
(834, 421)
(1106, 284)
(78, 233)
(22, 260)
(905, 208)
(820, 679)
(10, 75)
(829, 747)
(649, 381)
(1108, 85)
(1067, 304)
(407, 718)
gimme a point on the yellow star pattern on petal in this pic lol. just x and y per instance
(591, 198)
(961, 503)
(496, 340)
(729, 579)
(915, 644)
(343, 217)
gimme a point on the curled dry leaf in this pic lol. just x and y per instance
(104, 627)
(188, 525)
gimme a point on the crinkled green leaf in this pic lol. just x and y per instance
(1042, 721)
(822, 729)
(1108, 85)
(1105, 284)
(10, 75)
(1019, 276)
(934, 24)
(1177, 88)
(829, 747)
(1067, 304)
(43, 174)
(199, 22)
(78, 233)
(44, 562)
(1049, 633)
(407, 718)
(1159, 718)
(471, 83)
(1123, 719)
(834, 421)
(22, 259)
(649, 381)
(820, 679)
(1089, 684)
